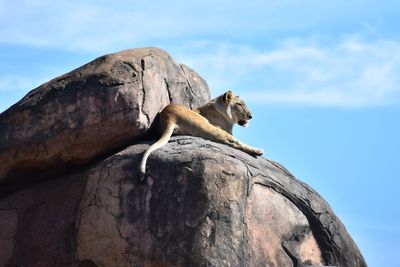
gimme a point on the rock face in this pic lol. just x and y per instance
(202, 203)
(93, 110)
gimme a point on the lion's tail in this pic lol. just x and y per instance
(165, 137)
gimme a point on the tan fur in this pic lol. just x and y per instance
(213, 121)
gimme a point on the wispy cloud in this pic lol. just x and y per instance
(244, 53)
(350, 73)
(104, 25)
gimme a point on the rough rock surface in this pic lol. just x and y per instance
(93, 110)
(203, 204)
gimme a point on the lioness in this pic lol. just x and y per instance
(213, 121)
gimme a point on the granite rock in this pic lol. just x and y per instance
(96, 109)
(202, 204)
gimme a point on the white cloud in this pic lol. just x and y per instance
(350, 73)
(97, 26)
(105, 25)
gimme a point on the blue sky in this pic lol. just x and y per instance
(322, 78)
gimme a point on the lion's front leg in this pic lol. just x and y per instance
(218, 135)
(233, 142)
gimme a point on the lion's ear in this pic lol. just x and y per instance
(228, 96)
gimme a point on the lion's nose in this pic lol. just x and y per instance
(250, 117)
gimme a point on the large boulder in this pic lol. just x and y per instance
(70, 195)
(93, 110)
(202, 204)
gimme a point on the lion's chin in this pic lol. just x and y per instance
(244, 123)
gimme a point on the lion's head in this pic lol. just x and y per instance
(235, 109)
